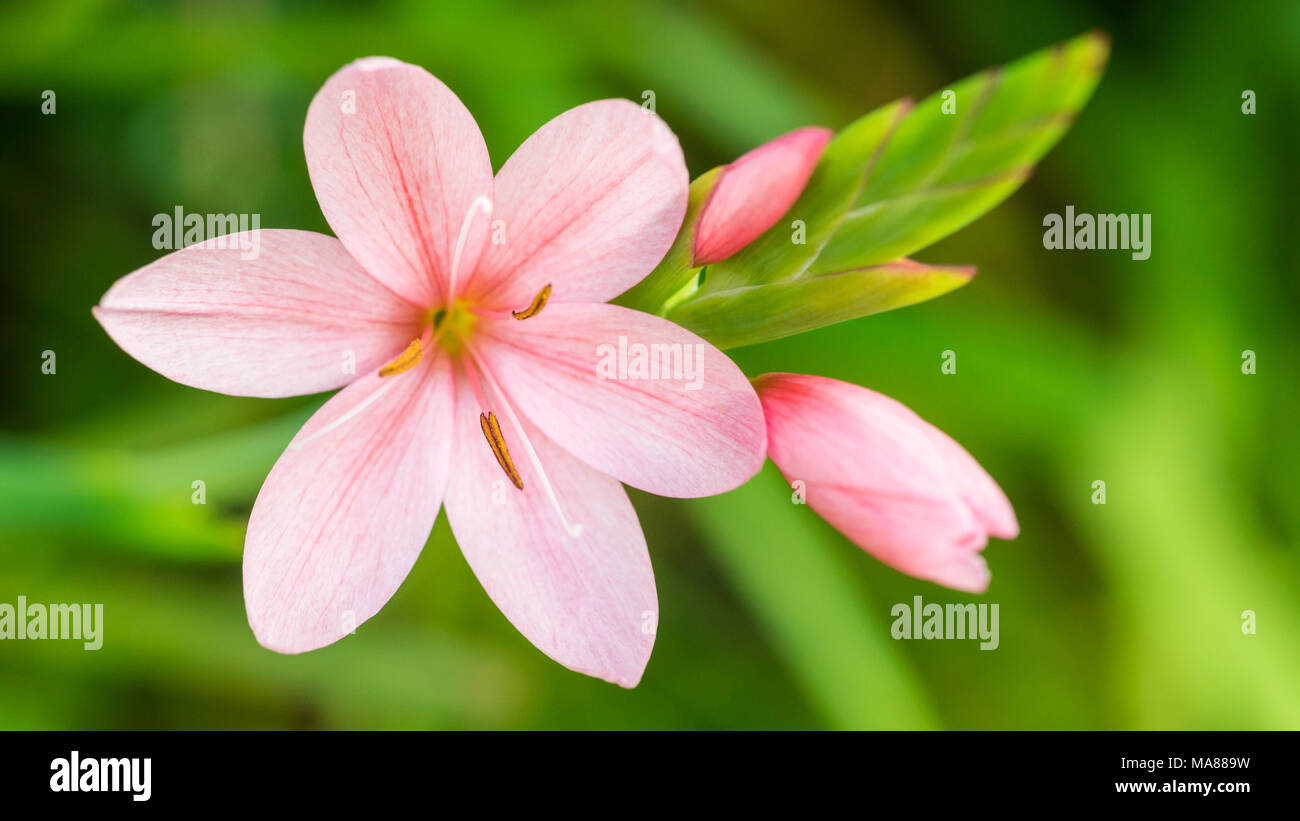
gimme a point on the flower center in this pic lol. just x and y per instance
(451, 328)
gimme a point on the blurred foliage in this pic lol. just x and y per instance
(1072, 367)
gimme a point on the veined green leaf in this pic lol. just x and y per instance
(758, 313)
(830, 192)
(834, 187)
(887, 230)
(891, 183)
(940, 170)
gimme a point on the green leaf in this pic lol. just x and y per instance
(891, 183)
(758, 313)
(835, 185)
(940, 171)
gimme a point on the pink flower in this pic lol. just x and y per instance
(464, 314)
(754, 191)
(894, 484)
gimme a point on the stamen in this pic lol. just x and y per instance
(408, 359)
(480, 203)
(425, 341)
(574, 530)
(539, 302)
(492, 430)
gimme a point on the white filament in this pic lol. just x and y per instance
(360, 406)
(484, 204)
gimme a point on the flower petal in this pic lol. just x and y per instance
(397, 161)
(589, 204)
(587, 602)
(894, 484)
(688, 425)
(348, 507)
(986, 500)
(301, 317)
(923, 536)
(753, 192)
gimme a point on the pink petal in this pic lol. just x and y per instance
(397, 161)
(894, 484)
(587, 602)
(348, 507)
(589, 204)
(753, 192)
(696, 431)
(923, 536)
(985, 499)
(301, 317)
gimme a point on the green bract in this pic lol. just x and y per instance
(888, 185)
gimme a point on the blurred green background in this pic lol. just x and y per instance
(1072, 367)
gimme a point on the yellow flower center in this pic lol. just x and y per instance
(453, 326)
